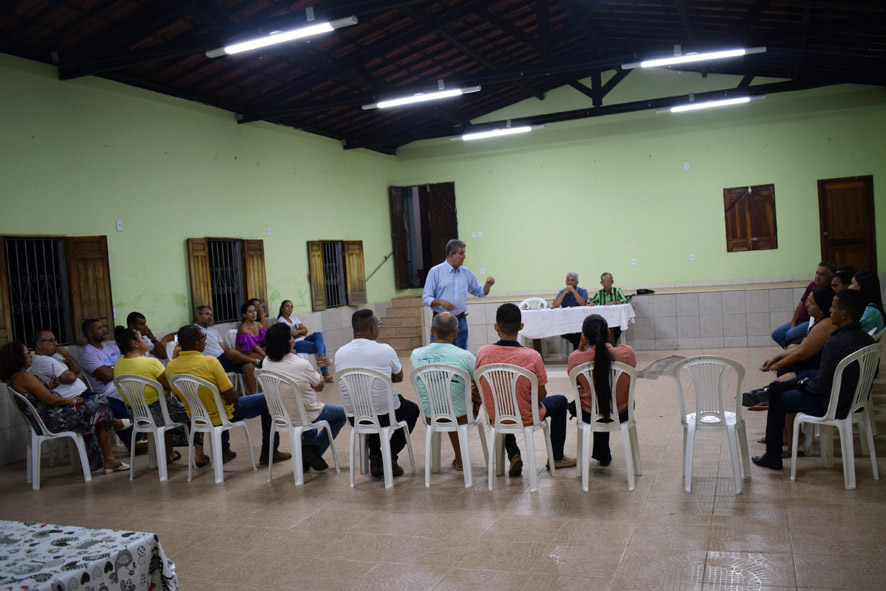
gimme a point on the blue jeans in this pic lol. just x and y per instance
(782, 403)
(335, 415)
(249, 407)
(461, 339)
(119, 410)
(555, 407)
(313, 344)
(784, 334)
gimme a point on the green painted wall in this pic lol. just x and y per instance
(586, 195)
(589, 195)
(76, 156)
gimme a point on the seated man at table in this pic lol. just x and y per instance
(191, 361)
(507, 350)
(812, 396)
(442, 350)
(570, 297)
(609, 296)
(366, 352)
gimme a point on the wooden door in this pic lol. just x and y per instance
(399, 236)
(89, 281)
(443, 218)
(846, 217)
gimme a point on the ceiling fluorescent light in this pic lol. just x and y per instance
(283, 37)
(693, 57)
(710, 104)
(421, 97)
(482, 135)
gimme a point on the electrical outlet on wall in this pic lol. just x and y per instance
(119, 225)
(691, 257)
(633, 261)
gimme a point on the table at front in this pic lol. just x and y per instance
(551, 322)
(53, 557)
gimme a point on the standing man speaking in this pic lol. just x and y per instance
(447, 287)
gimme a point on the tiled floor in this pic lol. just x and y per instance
(248, 534)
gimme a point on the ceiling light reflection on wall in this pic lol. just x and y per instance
(421, 97)
(283, 37)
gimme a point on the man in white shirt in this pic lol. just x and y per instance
(53, 364)
(231, 359)
(365, 352)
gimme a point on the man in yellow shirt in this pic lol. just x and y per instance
(191, 361)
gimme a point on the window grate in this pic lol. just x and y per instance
(226, 279)
(334, 274)
(38, 287)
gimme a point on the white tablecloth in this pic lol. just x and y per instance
(551, 322)
(53, 557)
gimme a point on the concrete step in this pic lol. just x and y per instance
(398, 321)
(410, 312)
(410, 302)
(399, 331)
(403, 345)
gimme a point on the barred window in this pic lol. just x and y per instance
(336, 273)
(226, 279)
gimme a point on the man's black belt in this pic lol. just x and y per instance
(461, 316)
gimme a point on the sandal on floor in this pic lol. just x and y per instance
(455, 467)
(203, 464)
(175, 457)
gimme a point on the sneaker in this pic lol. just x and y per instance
(516, 467)
(375, 466)
(279, 456)
(755, 397)
(313, 460)
(765, 461)
(564, 462)
(603, 461)
(228, 455)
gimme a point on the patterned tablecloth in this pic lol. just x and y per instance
(551, 322)
(53, 557)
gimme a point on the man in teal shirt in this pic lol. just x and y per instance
(442, 350)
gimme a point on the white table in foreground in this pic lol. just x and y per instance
(51, 557)
(551, 322)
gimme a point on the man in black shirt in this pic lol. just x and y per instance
(812, 396)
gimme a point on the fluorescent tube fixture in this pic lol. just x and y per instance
(693, 57)
(482, 135)
(421, 97)
(283, 37)
(710, 104)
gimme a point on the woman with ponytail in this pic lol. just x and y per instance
(594, 346)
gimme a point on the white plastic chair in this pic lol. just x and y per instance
(281, 421)
(533, 304)
(628, 429)
(133, 387)
(867, 360)
(708, 375)
(38, 434)
(187, 386)
(501, 379)
(359, 382)
(436, 389)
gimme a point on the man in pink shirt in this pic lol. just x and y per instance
(507, 350)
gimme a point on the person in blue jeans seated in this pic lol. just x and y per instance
(508, 322)
(868, 284)
(812, 395)
(278, 346)
(570, 297)
(191, 361)
(447, 287)
(795, 330)
(312, 344)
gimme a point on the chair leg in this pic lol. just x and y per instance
(351, 451)
(862, 440)
(364, 458)
(847, 448)
(499, 454)
(585, 456)
(132, 456)
(629, 454)
(429, 452)
(159, 454)
(689, 444)
(252, 451)
(385, 437)
(192, 458)
(464, 444)
(298, 468)
(827, 445)
(794, 442)
(36, 444)
(733, 453)
(84, 460)
(409, 447)
(271, 455)
(217, 456)
(529, 459)
(578, 447)
(635, 449)
(28, 473)
(494, 459)
(549, 446)
(434, 450)
(742, 432)
(870, 412)
(153, 457)
(482, 433)
(868, 436)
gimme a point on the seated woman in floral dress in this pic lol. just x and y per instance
(90, 415)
